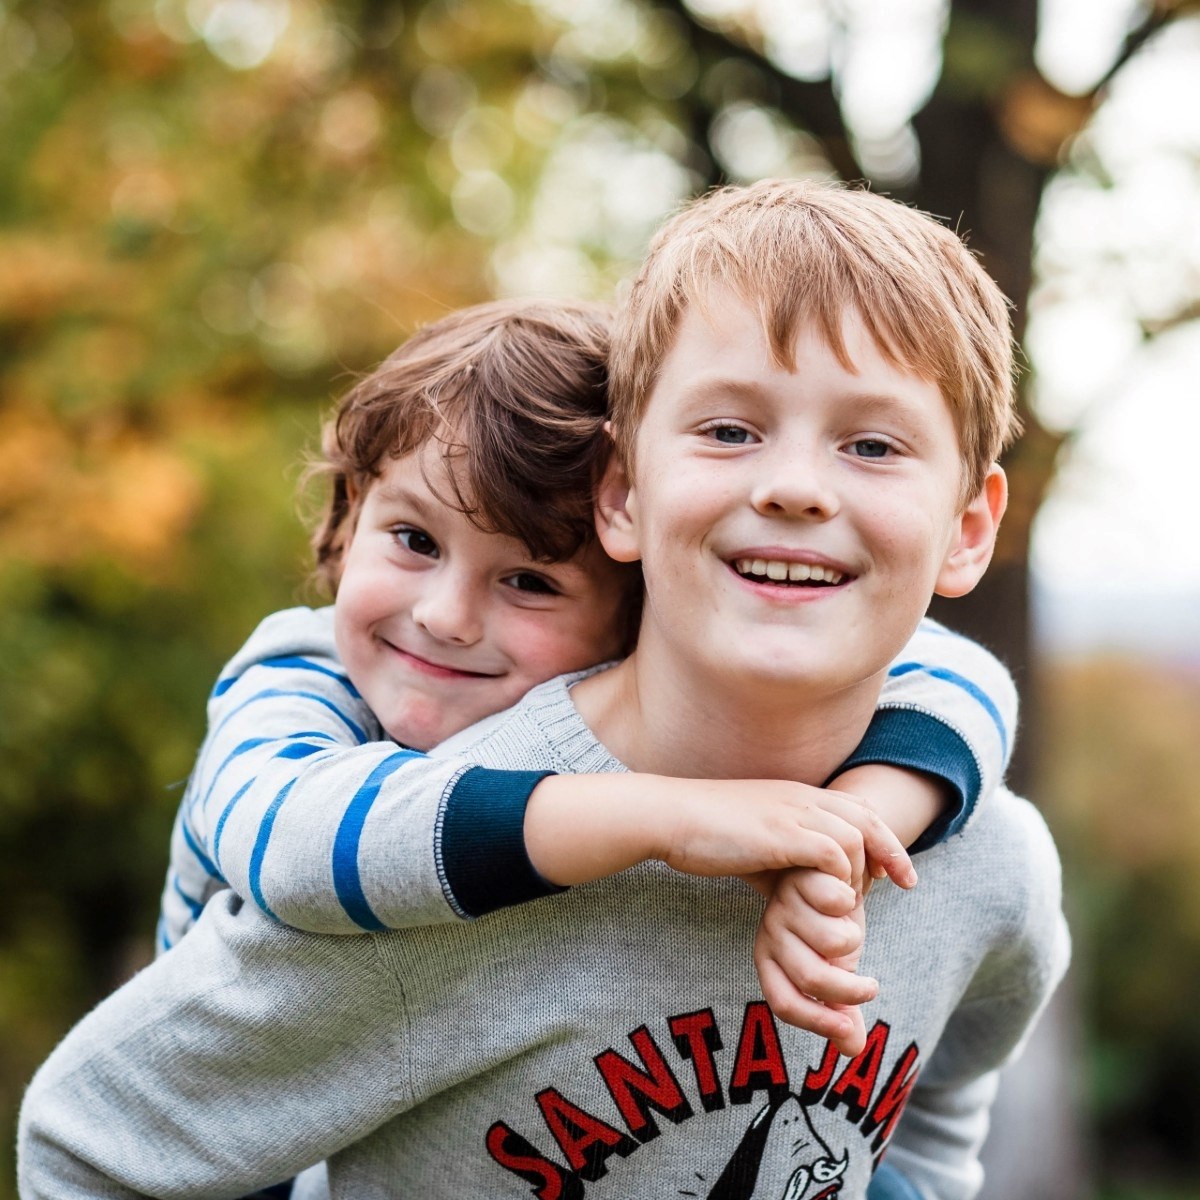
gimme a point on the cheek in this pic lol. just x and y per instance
(543, 649)
(352, 606)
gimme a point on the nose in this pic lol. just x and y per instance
(795, 481)
(450, 609)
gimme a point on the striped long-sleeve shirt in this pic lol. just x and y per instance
(301, 805)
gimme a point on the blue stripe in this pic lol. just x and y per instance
(289, 663)
(346, 879)
(299, 750)
(216, 844)
(252, 744)
(237, 751)
(201, 857)
(194, 906)
(260, 848)
(961, 681)
(279, 693)
(163, 941)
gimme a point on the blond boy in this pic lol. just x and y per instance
(805, 377)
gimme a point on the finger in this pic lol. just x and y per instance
(823, 850)
(788, 916)
(810, 824)
(884, 850)
(823, 892)
(856, 1041)
(795, 1008)
(813, 974)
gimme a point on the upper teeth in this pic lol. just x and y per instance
(794, 572)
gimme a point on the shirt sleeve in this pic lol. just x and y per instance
(300, 805)
(172, 1086)
(935, 1148)
(948, 708)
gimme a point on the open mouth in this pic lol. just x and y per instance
(788, 574)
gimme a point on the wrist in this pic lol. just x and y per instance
(579, 828)
(907, 801)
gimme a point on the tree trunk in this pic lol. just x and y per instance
(972, 175)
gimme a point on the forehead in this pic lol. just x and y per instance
(726, 345)
(427, 478)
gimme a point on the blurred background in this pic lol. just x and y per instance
(214, 212)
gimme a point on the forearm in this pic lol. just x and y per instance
(909, 802)
(580, 827)
(584, 827)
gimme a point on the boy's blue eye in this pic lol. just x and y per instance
(871, 448)
(527, 581)
(730, 435)
(416, 540)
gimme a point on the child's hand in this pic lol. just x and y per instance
(806, 950)
(908, 801)
(584, 827)
(731, 827)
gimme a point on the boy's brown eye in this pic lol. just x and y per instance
(871, 448)
(527, 581)
(416, 540)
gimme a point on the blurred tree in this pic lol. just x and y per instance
(213, 210)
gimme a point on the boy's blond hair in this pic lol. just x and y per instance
(802, 250)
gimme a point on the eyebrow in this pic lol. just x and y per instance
(714, 387)
(887, 403)
(392, 493)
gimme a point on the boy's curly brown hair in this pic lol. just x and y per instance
(515, 392)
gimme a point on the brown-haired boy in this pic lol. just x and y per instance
(613, 1042)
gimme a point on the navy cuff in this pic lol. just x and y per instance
(888, 1184)
(907, 737)
(483, 841)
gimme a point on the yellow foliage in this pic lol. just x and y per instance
(42, 276)
(1037, 119)
(141, 501)
(1122, 783)
(35, 451)
(122, 497)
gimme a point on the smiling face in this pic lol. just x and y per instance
(440, 624)
(792, 524)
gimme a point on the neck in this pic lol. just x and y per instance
(657, 716)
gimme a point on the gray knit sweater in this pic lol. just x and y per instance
(610, 1042)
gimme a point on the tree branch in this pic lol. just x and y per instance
(1160, 16)
(811, 105)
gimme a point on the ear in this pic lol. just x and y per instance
(975, 538)
(616, 513)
